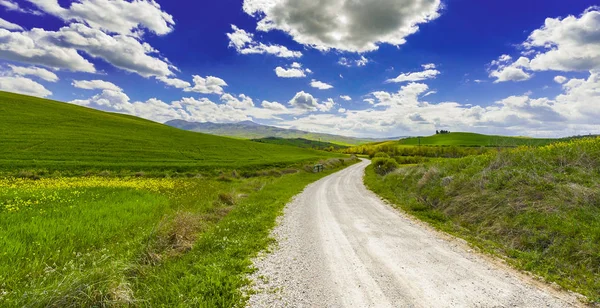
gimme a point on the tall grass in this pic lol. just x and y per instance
(538, 207)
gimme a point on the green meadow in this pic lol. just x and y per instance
(100, 209)
(47, 136)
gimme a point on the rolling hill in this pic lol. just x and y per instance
(43, 134)
(251, 130)
(472, 139)
(301, 143)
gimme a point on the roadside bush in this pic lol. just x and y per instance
(384, 166)
(380, 155)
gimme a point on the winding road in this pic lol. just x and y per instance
(339, 245)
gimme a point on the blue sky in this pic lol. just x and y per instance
(360, 68)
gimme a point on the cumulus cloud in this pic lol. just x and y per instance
(95, 85)
(122, 17)
(275, 106)
(5, 24)
(121, 51)
(208, 85)
(305, 101)
(59, 49)
(241, 102)
(33, 47)
(503, 70)
(346, 97)
(245, 44)
(560, 79)
(567, 44)
(34, 71)
(295, 70)
(355, 26)
(23, 85)
(428, 73)
(174, 82)
(320, 85)
(407, 112)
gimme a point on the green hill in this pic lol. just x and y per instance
(301, 143)
(472, 139)
(44, 134)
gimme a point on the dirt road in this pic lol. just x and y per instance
(339, 245)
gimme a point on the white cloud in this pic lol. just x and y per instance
(320, 85)
(122, 17)
(356, 26)
(243, 102)
(275, 106)
(5, 24)
(23, 85)
(33, 47)
(294, 71)
(560, 79)
(11, 5)
(95, 85)
(346, 97)
(342, 110)
(34, 71)
(416, 76)
(208, 85)
(362, 61)
(244, 43)
(305, 101)
(502, 71)
(568, 44)
(174, 82)
(574, 111)
(428, 66)
(122, 51)
(58, 49)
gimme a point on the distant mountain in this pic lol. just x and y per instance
(251, 130)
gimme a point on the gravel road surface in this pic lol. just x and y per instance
(339, 245)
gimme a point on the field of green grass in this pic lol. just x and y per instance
(472, 139)
(101, 209)
(45, 135)
(537, 207)
(302, 143)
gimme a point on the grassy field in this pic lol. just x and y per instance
(45, 135)
(100, 209)
(472, 139)
(91, 241)
(302, 143)
(538, 207)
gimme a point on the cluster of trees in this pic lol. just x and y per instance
(440, 132)
(424, 151)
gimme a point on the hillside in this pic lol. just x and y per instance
(44, 134)
(251, 130)
(472, 139)
(301, 143)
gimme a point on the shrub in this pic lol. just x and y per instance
(381, 155)
(384, 166)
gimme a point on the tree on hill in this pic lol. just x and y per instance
(440, 132)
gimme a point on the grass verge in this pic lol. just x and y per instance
(539, 208)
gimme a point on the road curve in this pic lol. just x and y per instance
(339, 245)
